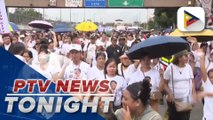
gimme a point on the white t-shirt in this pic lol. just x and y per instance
(65, 48)
(208, 106)
(121, 85)
(158, 67)
(94, 73)
(129, 43)
(127, 72)
(152, 73)
(80, 71)
(182, 80)
(46, 73)
(209, 66)
(90, 49)
(7, 46)
(21, 58)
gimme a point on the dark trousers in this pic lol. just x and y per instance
(174, 115)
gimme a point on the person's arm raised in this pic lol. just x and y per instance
(202, 65)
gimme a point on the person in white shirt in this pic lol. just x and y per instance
(117, 82)
(104, 40)
(97, 71)
(125, 68)
(99, 49)
(18, 50)
(207, 94)
(179, 85)
(144, 72)
(130, 40)
(65, 47)
(69, 72)
(89, 50)
(7, 44)
(28, 56)
(44, 68)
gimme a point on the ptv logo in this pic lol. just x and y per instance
(191, 19)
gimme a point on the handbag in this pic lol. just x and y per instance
(180, 105)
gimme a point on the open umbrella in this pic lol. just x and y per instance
(203, 36)
(13, 26)
(157, 47)
(86, 26)
(61, 28)
(40, 24)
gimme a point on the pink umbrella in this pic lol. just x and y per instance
(40, 24)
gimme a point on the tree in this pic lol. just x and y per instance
(151, 24)
(165, 17)
(24, 15)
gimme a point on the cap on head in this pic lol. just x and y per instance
(181, 53)
(76, 47)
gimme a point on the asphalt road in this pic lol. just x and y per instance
(196, 114)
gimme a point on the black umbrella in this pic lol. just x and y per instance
(157, 47)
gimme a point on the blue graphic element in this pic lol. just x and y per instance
(12, 68)
(95, 3)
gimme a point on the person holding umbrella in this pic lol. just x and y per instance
(144, 72)
(154, 47)
(179, 85)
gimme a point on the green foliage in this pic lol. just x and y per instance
(24, 15)
(165, 17)
(151, 24)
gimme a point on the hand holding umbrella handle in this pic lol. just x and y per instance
(192, 39)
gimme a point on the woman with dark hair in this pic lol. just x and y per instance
(179, 85)
(97, 71)
(118, 84)
(28, 56)
(136, 103)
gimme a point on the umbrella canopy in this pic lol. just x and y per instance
(203, 36)
(13, 26)
(60, 25)
(157, 47)
(62, 30)
(86, 26)
(40, 24)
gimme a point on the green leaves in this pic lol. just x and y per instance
(24, 15)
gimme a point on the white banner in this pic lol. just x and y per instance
(74, 3)
(4, 24)
(207, 6)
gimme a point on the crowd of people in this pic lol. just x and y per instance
(138, 85)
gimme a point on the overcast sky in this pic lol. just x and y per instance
(97, 15)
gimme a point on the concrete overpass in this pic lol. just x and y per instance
(61, 3)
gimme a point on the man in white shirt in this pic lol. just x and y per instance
(77, 69)
(89, 49)
(7, 44)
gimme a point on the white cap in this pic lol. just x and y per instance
(75, 47)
